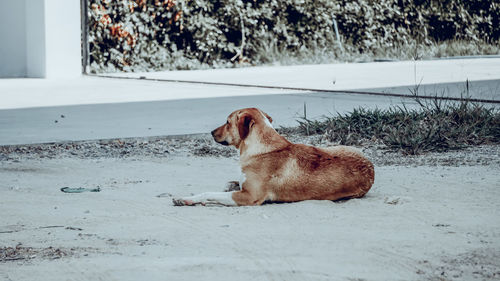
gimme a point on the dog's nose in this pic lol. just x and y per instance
(213, 133)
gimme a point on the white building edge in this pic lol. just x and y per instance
(40, 39)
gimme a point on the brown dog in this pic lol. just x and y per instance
(275, 169)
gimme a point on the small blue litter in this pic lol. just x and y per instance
(67, 189)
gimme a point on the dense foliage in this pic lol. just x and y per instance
(184, 34)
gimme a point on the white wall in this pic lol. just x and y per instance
(12, 38)
(40, 38)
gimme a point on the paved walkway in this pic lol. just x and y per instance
(38, 110)
(376, 76)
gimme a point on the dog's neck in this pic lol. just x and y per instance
(261, 141)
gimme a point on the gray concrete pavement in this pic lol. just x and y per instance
(482, 89)
(186, 116)
(343, 76)
(159, 118)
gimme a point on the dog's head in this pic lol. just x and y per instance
(239, 125)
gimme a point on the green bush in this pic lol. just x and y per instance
(133, 35)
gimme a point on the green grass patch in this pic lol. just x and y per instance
(434, 125)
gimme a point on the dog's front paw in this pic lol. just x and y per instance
(182, 202)
(232, 186)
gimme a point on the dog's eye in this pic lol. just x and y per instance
(227, 122)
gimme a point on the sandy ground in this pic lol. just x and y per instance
(432, 217)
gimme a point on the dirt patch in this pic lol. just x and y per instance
(483, 264)
(211, 150)
(23, 253)
(159, 147)
(204, 146)
(19, 169)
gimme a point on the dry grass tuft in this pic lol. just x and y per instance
(435, 125)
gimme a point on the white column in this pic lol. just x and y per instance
(63, 54)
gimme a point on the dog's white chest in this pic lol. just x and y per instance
(243, 178)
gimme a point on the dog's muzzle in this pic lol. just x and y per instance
(221, 142)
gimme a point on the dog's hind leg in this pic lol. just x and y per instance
(248, 197)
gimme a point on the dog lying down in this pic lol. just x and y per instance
(276, 170)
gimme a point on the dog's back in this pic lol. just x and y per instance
(300, 172)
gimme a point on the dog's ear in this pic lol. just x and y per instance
(267, 116)
(245, 123)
